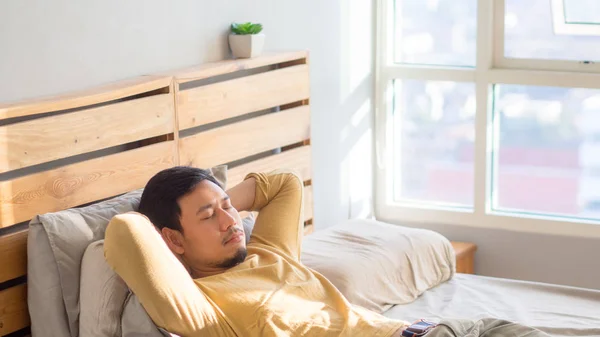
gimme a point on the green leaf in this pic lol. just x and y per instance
(246, 28)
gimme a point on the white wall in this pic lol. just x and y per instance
(50, 47)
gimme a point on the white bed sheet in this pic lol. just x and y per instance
(556, 310)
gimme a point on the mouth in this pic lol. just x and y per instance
(236, 237)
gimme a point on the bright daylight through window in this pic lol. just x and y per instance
(489, 113)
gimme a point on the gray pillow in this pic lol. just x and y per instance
(55, 248)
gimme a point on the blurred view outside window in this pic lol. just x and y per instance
(546, 139)
(537, 38)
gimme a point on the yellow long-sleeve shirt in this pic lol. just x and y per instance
(270, 294)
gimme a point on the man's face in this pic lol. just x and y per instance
(213, 234)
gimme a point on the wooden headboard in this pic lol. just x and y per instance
(76, 149)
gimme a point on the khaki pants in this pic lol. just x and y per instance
(487, 327)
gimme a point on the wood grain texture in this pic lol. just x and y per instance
(240, 140)
(298, 159)
(465, 256)
(14, 315)
(13, 250)
(223, 100)
(229, 66)
(101, 94)
(50, 138)
(80, 183)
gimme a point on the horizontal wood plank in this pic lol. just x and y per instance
(204, 71)
(101, 94)
(298, 159)
(81, 183)
(308, 203)
(13, 250)
(50, 138)
(223, 100)
(243, 139)
(14, 315)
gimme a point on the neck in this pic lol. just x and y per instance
(199, 271)
(205, 272)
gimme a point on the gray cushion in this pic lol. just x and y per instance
(56, 244)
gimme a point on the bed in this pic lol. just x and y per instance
(556, 310)
(78, 149)
(62, 152)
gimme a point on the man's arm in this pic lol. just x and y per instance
(278, 199)
(242, 194)
(138, 254)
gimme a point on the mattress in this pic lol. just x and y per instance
(556, 310)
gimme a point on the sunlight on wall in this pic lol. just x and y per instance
(357, 118)
(360, 167)
(356, 178)
(356, 36)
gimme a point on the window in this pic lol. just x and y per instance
(435, 32)
(488, 114)
(550, 36)
(434, 133)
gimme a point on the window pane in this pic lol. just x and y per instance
(547, 158)
(434, 133)
(435, 32)
(530, 32)
(582, 11)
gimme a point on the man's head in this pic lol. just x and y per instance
(195, 218)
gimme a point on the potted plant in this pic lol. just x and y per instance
(245, 39)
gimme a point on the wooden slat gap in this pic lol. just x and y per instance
(84, 98)
(230, 143)
(25, 332)
(224, 77)
(224, 122)
(293, 146)
(83, 182)
(19, 119)
(14, 282)
(202, 71)
(237, 97)
(293, 63)
(58, 163)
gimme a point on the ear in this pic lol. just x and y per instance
(174, 240)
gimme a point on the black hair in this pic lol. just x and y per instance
(160, 196)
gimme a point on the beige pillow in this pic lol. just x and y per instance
(378, 265)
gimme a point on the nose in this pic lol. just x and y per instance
(225, 219)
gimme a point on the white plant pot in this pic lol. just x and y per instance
(246, 46)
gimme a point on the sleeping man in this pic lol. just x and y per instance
(185, 257)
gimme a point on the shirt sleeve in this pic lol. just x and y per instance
(279, 201)
(138, 254)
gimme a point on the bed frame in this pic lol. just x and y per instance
(80, 148)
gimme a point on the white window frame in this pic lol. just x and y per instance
(562, 27)
(502, 62)
(488, 71)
